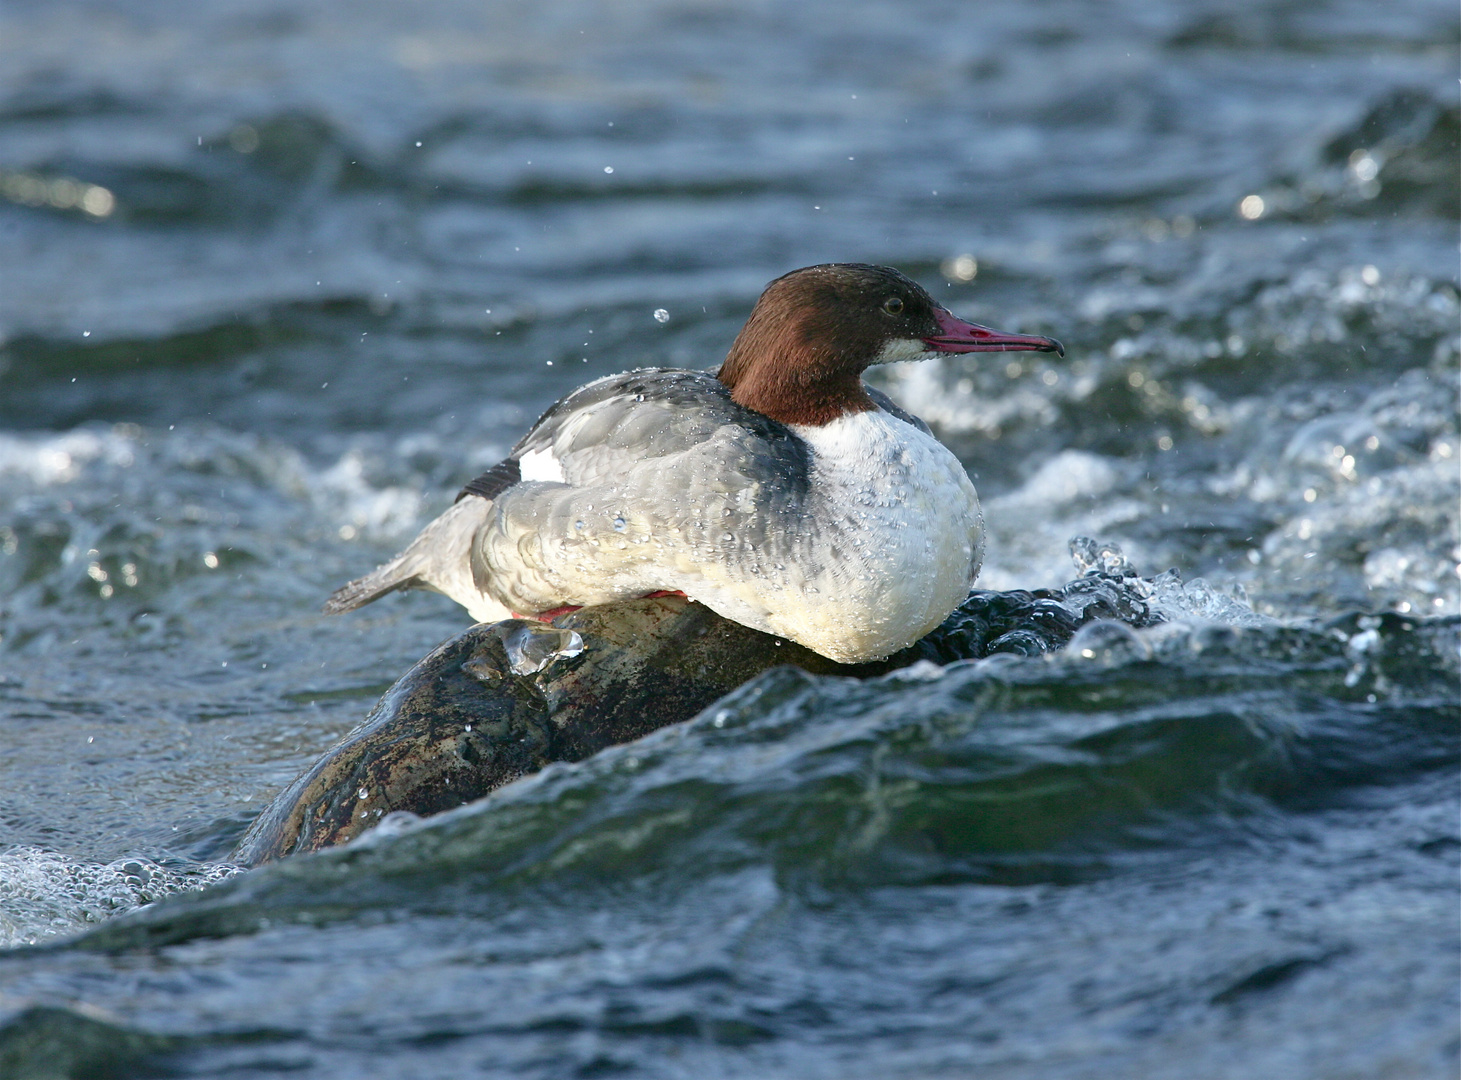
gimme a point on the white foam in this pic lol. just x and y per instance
(59, 459)
(388, 510)
(1066, 477)
(45, 895)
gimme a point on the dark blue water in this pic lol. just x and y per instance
(275, 279)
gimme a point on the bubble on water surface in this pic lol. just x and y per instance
(45, 895)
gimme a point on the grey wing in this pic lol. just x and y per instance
(610, 436)
(639, 482)
(625, 422)
(637, 414)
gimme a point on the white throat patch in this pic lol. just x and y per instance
(898, 350)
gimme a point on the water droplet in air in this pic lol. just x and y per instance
(661, 315)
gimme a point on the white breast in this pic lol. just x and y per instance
(898, 540)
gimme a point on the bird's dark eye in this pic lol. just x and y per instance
(893, 305)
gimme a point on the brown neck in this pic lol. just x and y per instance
(775, 369)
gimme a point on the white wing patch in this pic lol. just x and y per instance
(541, 465)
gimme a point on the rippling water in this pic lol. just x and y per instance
(278, 278)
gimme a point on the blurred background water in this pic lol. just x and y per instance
(276, 278)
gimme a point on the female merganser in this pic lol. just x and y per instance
(781, 492)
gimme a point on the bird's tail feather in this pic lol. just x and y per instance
(384, 579)
(438, 559)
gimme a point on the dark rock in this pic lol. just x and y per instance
(503, 700)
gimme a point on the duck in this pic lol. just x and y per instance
(779, 490)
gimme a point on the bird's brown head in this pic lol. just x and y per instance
(800, 357)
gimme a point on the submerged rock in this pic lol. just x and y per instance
(503, 700)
